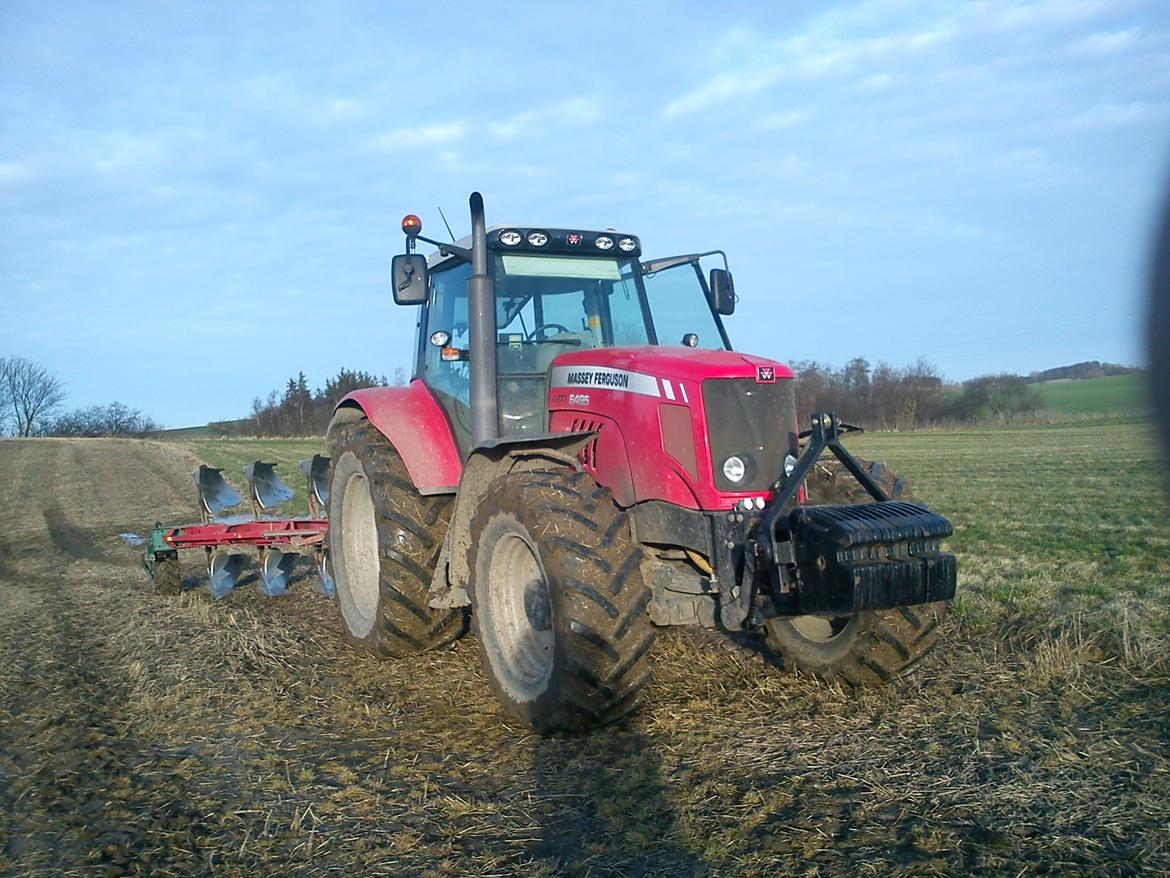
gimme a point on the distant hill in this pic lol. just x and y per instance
(208, 431)
(1104, 396)
(1087, 369)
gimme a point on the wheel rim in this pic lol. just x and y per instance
(821, 629)
(359, 549)
(519, 624)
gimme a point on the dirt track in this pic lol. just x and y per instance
(177, 736)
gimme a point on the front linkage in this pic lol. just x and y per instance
(841, 560)
(793, 560)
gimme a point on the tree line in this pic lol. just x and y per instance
(1087, 369)
(881, 397)
(300, 411)
(886, 397)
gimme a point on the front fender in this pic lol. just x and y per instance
(486, 462)
(416, 426)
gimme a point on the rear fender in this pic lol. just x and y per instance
(487, 462)
(416, 426)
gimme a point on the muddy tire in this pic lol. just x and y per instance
(559, 602)
(830, 483)
(871, 647)
(384, 540)
(167, 576)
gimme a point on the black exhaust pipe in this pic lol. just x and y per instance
(481, 318)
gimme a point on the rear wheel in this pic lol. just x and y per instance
(873, 646)
(384, 541)
(559, 602)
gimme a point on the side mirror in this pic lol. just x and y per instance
(722, 291)
(408, 274)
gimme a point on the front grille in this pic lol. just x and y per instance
(755, 421)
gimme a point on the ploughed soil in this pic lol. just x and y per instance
(151, 735)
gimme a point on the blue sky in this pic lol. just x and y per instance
(196, 201)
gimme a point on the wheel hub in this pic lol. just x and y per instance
(536, 606)
(820, 629)
(359, 549)
(518, 629)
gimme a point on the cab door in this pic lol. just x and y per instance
(680, 304)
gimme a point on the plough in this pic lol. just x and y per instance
(280, 542)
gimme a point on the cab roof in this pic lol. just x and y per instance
(540, 239)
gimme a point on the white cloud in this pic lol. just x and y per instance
(784, 120)
(17, 172)
(1106, 42)
(117, 152)
(809, 56)
(862, 43)
(720, 88)
(333, 110)
(417, 136)
(1110, 115)
(536, 122)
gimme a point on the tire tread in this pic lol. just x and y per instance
(600, 601)
(411, 530)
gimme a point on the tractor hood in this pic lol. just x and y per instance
(673, 362)
(668, 418)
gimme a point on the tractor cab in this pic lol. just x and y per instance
(556, 291)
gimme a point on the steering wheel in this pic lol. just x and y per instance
(532, 336)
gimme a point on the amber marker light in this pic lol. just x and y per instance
(412, 225)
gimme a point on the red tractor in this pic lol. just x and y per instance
(582, 457)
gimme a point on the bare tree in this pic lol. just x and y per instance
(5, 398)
(32, 392)
(114, 419)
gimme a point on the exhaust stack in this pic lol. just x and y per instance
(481, 318)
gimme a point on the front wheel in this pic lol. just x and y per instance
(558, 601)
(873, 646)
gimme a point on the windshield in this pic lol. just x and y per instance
(547, 305)
(678, 302)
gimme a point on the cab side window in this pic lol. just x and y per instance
(450, 381)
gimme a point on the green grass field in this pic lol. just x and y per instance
(1111, 395)
(1055, 527)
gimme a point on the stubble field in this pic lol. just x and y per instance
(148, 735)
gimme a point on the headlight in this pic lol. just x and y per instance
(734, 469)
(789, 464)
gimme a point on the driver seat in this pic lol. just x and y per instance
(553, 346)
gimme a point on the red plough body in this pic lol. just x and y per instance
(289, 532)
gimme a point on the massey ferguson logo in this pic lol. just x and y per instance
(765, 374)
